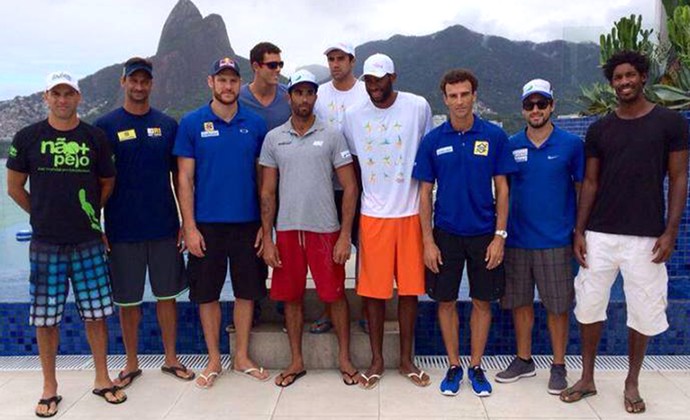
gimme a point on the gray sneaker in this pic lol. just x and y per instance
(516, 370)
(557, 381)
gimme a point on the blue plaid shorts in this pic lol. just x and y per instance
(52, 266)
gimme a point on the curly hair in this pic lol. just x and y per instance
(638, 60)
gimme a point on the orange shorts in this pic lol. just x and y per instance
(390, 249)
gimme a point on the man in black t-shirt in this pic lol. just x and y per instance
(70, 166)
(620, 221)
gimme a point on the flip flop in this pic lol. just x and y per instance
(631, 403)
(572, 395)
(103, 392)
(350, 376)
(247, 373)
(130, 377)
(320, 326)
(422, 378)
(371, 381)
(209, 380)
(47, 402)
(176, 370)
(294, 376)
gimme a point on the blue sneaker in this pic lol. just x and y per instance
(480, 385)
(451, 383)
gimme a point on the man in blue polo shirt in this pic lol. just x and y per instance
(464, 156)
(540, 225)
(141, 221)
(217, 147)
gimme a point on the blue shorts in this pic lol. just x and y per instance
(51, 268)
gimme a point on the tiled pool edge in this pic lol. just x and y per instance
(17, 338)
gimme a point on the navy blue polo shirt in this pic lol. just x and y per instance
(542, 191)
(463, 165)
(225, 154)
(142, 207)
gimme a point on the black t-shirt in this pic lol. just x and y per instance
(64, 168)
(633, 156)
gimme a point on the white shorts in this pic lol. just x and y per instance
(645, 283)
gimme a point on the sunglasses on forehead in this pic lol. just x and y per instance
(542, 104)
(273, 64)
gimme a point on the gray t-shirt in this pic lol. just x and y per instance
(305, 165)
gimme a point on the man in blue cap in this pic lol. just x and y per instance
(141, 221)
(217, 147)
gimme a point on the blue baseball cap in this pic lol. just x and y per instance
(222, 64)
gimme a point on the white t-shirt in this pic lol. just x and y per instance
(331, 103)
(385, 142)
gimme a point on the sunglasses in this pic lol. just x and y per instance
(542, 104)
(273, 64)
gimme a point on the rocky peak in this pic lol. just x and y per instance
(183, 17)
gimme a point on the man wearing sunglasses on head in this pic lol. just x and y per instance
(265, 95)
(540, 223)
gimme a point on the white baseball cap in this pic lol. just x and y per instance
(302, 76)
(378, 65)
(61, 78)
(539, 86)
(345, 47)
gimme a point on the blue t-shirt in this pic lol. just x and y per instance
(463, 165)
(225, 155)
(276, 113)
(142, 206)
(542, 192)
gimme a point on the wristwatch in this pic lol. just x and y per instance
(502, 233)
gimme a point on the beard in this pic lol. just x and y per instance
(219, 97)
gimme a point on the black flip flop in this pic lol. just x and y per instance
(174, 370)
(112, 390)
(131, 376)
(47, 402)
(294, 376)
(351, 376)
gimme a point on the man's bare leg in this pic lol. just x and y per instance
(130, 317)
(166, 312)
(637, 348)
(243, 314)
(340, 315)
(450, 325)
(294, 321)
(97, 336)
(480, 323)
(590, 334)
(48, 339)
(376, 311)
(558, 330)
(523, 321)
(210, 323)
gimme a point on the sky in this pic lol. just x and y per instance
(83, 36)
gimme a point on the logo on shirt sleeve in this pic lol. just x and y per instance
(13, 152)
(345, 154)
(126, 135)
(154, 131)
(520, 155)
(481, 148)
(209, 130)
(444, 150)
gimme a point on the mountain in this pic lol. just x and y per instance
(189, 43)
(502, 66)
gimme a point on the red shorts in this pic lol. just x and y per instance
(299, 249)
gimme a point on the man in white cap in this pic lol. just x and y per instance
(335, 96)
(384, 133)
(70, 166)
(300, 158)
(541, 219)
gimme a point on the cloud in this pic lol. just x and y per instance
(40, 36)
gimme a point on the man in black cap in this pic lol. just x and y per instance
(141, 221)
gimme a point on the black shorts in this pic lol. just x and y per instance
(247, 271)
(129, 262)
(486, 285)
(355, 223)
